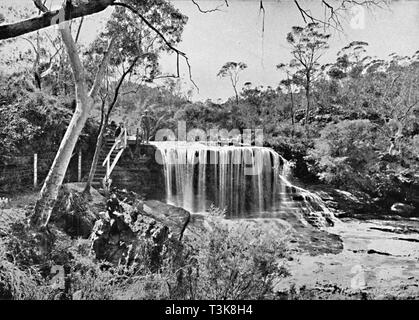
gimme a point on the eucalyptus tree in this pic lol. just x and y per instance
(231, 70)
(136, 56)
(307, 47)
(289, 83)
(351, 61)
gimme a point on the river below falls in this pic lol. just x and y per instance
(379, 258)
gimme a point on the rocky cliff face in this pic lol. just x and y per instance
(143, 225)
(138, 171)
(148, 225)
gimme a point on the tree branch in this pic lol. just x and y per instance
(120, 82)
(209, 10)
(79, 29)
(168, 44)
(100, 72)
(47, 19)
(41, 6)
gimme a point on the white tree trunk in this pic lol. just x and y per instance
(84, 100)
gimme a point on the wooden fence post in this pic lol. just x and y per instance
(79, 167)
(35, 170)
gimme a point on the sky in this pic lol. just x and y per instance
(235, 34)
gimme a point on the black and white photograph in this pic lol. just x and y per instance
(231, 152)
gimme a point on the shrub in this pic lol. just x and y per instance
(231, 261)
(344, 154)
(17, 282)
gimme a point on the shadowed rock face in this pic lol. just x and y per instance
(138, 171)
(73, 214)
(403, 209)
(175, 218)
(149, 225)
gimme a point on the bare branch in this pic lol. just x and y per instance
(168, 44)
(206, 11)
(118, 86)
(79, 29)
(41, 6)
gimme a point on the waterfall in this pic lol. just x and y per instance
(246, 181)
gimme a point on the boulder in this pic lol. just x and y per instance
(111, 246)
(175, 218)
(149, 224)
(348, 204)
(403, 209)
(75, 214)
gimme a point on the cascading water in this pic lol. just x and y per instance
(245, 181)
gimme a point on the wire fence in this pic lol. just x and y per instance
(30, 171)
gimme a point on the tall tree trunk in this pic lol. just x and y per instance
(292, 107)
(84, 103)
(57, 172)
(237, 96)
(95, 160)
(104, 124)
(308, 104)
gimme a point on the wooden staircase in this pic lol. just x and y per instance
(100, 169)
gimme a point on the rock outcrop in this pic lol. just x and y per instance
(145, 226)
(175, 218)
(403, 209)
(73, 213)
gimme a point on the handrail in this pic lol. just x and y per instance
(123, 137)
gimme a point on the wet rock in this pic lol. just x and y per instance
(372, 251)
(298, 197)
(403, 209)
(348, 204)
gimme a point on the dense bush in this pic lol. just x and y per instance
(34, 121)
(237, 262)
(20, 282)
(344, 154)
(228, 261)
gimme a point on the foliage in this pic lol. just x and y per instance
(307, 46)
(343, 147)
(33, 121)
(27, 115)
(16, 283)
(237, 262)
(225, 263)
